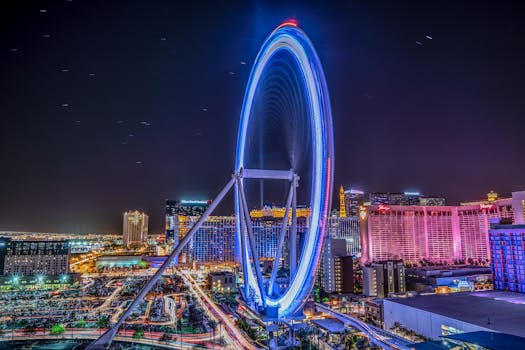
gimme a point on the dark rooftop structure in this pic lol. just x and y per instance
(474, 340)
(489, 340)
(496, 310)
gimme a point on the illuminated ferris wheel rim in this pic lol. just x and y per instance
(289, 37)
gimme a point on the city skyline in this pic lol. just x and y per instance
(288, 175)
(114, 116)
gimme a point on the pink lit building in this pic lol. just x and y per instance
(436, 233)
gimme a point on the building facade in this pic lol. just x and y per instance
(135, 228)
(438, 315)
(394, 198)
(384, 278)
(34, 257)
(221, 282)
(507, 245)
(456, 278)
(335, 271)
(432, 201)
(518, 207)
(435, 233)
(347, 229)
(186, 208)
(216, 240)
(353, 199)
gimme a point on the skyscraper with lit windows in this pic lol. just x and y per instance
(185, 207)
(135, 228)
(353, 199)
(507, 245)
(215, 239)
(346, 229)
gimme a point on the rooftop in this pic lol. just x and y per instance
(490, 340)
(506, 227)
(497, 310)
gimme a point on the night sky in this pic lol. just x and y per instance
(113, 105)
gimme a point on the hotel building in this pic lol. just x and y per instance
(135, 228)
(435, 233)
(384, 278)
(352, 200)
(507, 245)
(215, 241)
(187, 207)
(33, 257)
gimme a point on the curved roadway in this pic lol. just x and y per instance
(376, 335)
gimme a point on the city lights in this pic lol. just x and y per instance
(170, 179)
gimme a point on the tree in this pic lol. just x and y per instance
(103, 322)
(139, 334)
(58, 329)
(80, 324)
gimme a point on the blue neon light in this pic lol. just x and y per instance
(292, 39)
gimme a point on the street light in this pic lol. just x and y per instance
(40, 279)
(15, 279)
(64, 279)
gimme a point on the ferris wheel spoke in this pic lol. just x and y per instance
(244, 256)
(282, 235)
(293, 231)
(248, 225)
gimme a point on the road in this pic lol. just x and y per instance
(110, 299)
(178, 340)
(233, 336)
(378, 336)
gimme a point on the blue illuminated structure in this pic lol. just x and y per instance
(287, 37)
(292, 39)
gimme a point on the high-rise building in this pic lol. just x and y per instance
(335, 272)
(215, 241)
(212, 243)
(347, 229)
(384, 278)
(33, 257)
(395, 198)
(171, 206)
(353, 199)
(518, 207)
(342, 206)
(432, 201)
(135, 228)
(185, 207)
(507, 245)
(436, 233)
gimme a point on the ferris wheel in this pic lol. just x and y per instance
(289, 39)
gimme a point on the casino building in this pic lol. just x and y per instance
(436, 233)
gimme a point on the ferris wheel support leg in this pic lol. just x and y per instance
(244, 253)
(281, 240)
(251, 239)
(105, 340)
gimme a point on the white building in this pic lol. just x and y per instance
(135, 228)
(444, 314)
